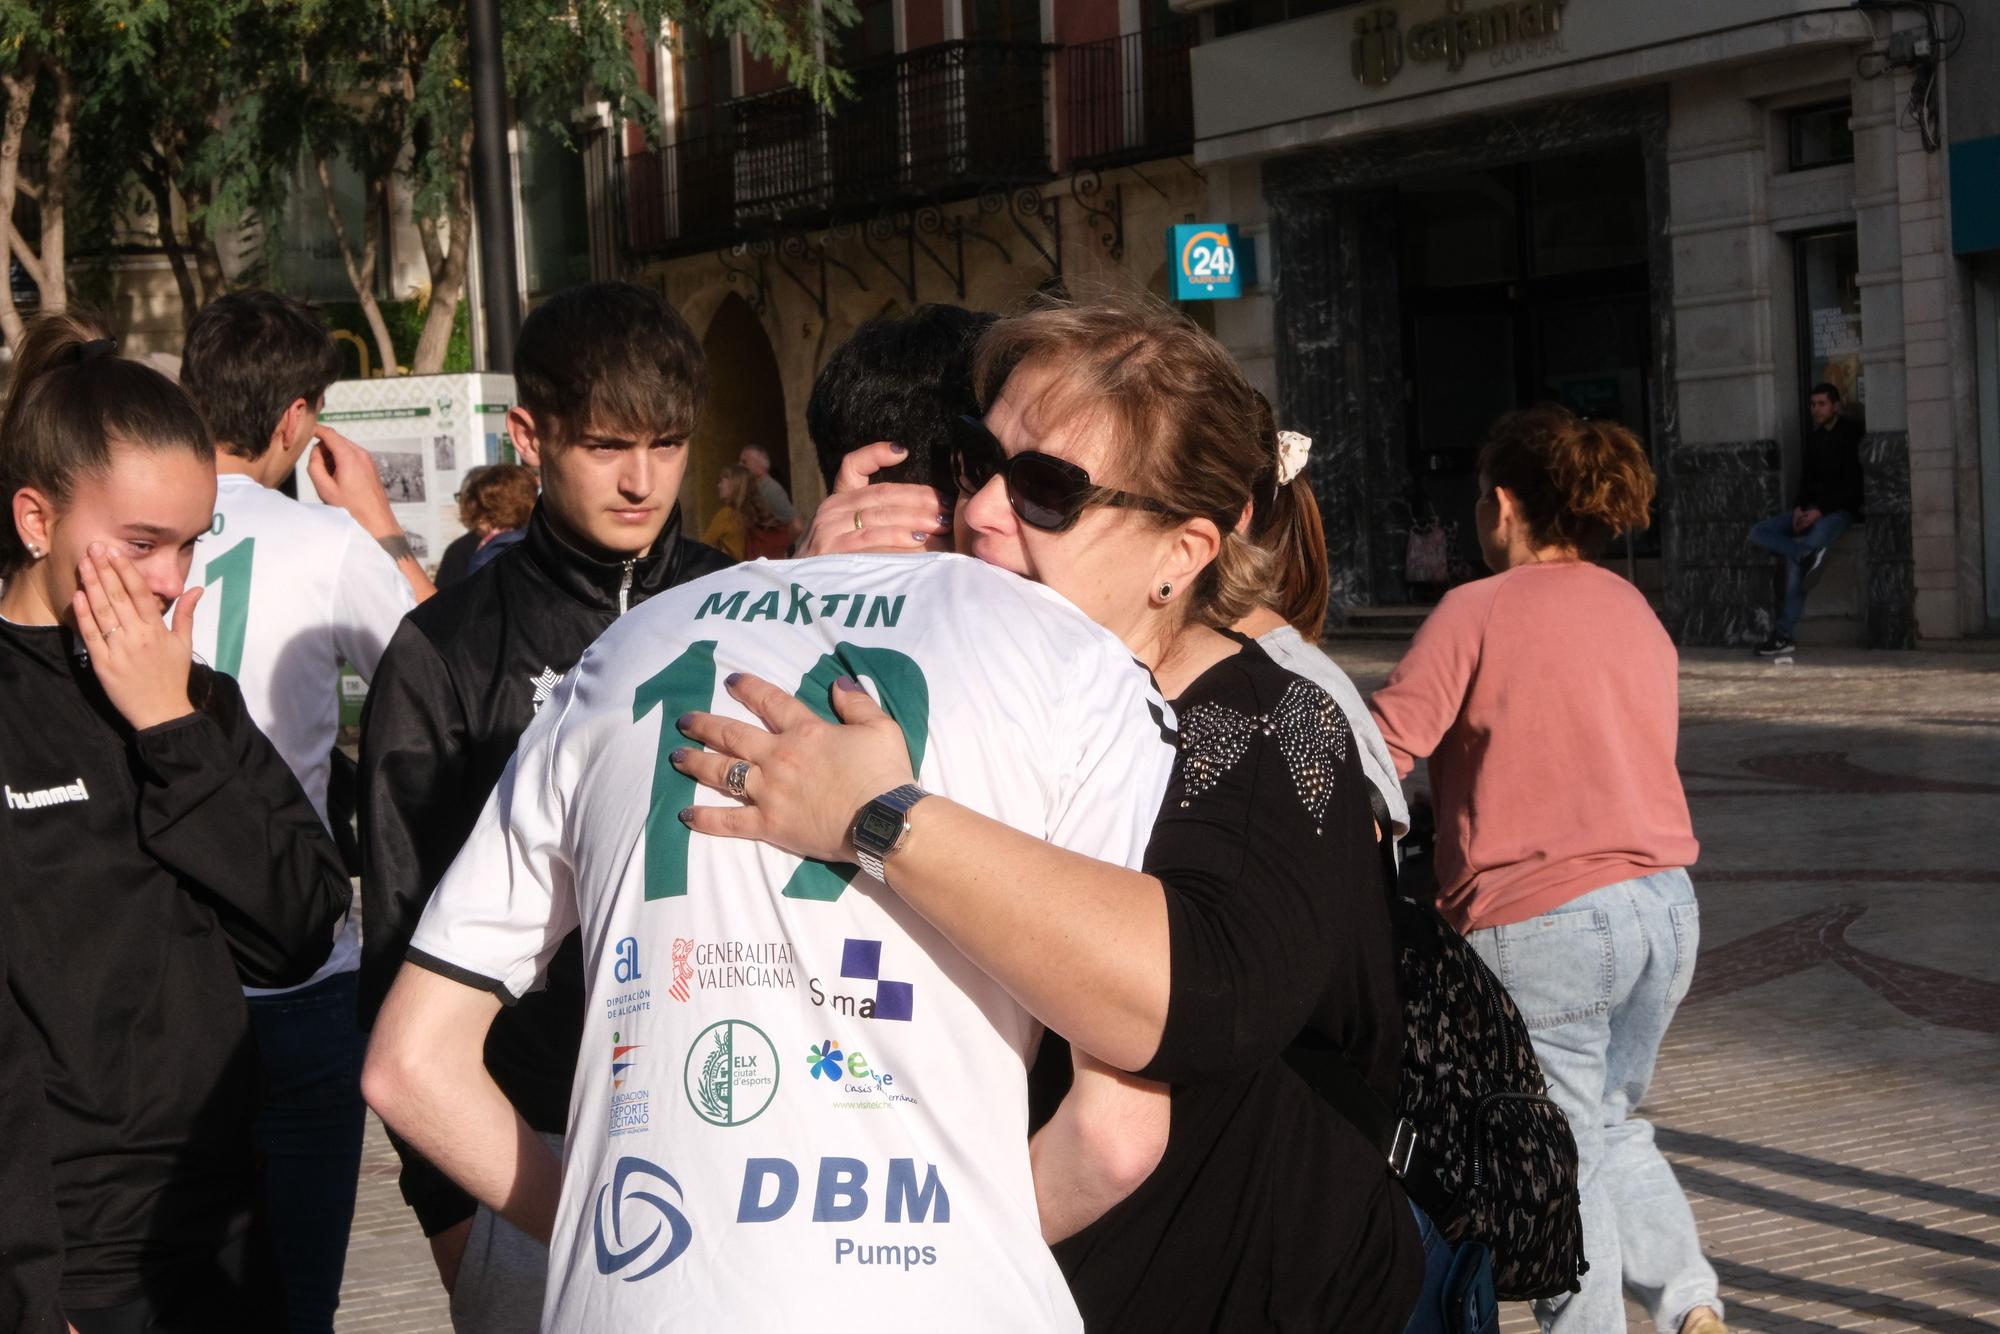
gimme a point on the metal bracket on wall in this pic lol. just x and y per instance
(794, 248)
(1023, 206)
(750, 276)
(1104, 217)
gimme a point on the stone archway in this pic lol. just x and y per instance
(746, 406)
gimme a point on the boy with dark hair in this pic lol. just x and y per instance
(880, 417)
(904, 378)
(610, 380)
(294, 591)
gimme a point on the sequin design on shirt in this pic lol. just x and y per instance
(1310, 729)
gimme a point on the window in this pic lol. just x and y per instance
(1819, 136)
(1829, 316)
(1003, 20)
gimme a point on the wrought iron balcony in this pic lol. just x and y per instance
(943, 122)
(1130, 98)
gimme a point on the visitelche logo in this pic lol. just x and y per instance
(616, 1200)
(848, 1071)
(60, 795)
(731, 1073)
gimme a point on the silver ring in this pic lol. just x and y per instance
(733, 781)
(113, 630)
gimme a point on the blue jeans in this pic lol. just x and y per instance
(310, 1132)
(1597, 981)
(1775, 535)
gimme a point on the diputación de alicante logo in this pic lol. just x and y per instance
(731, 1073)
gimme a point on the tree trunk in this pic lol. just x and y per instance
(170, 240)
(207, 260)
(360, 272)
(20, 88)
(55, 263)
(448, 271)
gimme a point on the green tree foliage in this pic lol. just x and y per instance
(204, 110)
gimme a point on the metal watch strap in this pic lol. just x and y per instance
(870, 850)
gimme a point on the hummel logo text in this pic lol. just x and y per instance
(48, 796)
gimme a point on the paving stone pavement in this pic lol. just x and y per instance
(1830, 1093)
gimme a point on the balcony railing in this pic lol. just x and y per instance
(943, 122)
(1129, 98)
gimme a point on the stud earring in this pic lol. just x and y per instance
(34, 551)
(1166, 591)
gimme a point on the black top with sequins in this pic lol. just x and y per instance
(1267, 1211)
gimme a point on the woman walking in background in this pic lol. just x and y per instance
(1547, 700)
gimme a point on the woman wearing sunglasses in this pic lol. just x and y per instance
(1121, 464)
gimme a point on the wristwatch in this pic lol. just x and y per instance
(883, 826)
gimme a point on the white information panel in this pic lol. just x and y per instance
(425, 431)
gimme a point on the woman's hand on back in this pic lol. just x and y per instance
(808, 778)
(891, 515)
(142, 665)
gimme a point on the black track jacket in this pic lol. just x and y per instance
(455, 689)
(145, 878)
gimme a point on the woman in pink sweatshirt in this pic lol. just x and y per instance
(1546, 697)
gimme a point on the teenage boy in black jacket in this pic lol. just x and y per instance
(610, 381)
(1828, 503)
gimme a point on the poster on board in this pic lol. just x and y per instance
(425, 432)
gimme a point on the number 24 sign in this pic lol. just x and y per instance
(1210, 263)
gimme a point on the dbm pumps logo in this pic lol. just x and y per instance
(619, 1201)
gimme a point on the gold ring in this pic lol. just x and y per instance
(113, 630)
(857, 521)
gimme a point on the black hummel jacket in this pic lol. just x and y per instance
(145, 878)
(458, 684)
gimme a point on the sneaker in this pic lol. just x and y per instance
(1703, 1320)
(1810, 568)
(1773, 646)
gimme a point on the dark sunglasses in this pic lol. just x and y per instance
(1045, 492)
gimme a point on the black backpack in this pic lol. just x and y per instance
(1474, 1139)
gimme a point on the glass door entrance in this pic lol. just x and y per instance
(1521, 284)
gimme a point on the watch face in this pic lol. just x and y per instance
(879, 826)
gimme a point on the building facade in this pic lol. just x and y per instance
(991, 149)
(1681, 216)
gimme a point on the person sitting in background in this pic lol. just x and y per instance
(502, 503)
(1827, 504)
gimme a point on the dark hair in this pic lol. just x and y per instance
(903, 378)
(1832, 391)
(1183, 421)
(609, 356)
(1286, 523)
(756, 514)
(503, 496)
(72, 398)
(1579, 483)
(249, 356)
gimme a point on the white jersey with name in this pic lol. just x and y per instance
(797, 1106)
(291, 592)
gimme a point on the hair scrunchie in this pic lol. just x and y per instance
(85, 353)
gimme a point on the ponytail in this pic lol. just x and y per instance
(1578, 483)
(72, 398)
(1286, 526)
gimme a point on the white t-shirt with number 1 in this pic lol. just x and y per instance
(291, 591)
(798, 1106)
